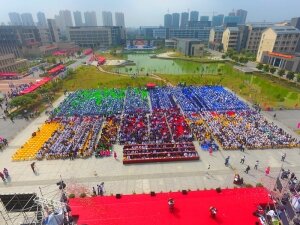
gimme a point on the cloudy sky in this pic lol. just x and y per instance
(150, 12)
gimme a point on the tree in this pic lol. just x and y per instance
(259, 66)
(21, 101)
(290, 75)
(298, 77)
(266, 68)
(281, 73)
(272, 70)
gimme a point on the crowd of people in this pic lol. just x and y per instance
(92, 103)
(3, 143)
(161, 98)
(15, 90)
(76, 137)
(247, 128)
(136, 101)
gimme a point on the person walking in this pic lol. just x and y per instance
(2, 177)
(283, 156)
(115, 155)
(243, 160)
(94, 191)
(5, 172)
(247, 169)
(210, 151)
(256, 165)
(102, 190)
(267, 171)
(227, 161)
(32, 165)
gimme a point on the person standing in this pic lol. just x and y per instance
(267, 171)
(115, 155)
(210, 151)
(227, 161)
(94, 191)
(283, 156)
(256, 165)
(32, 165)
(5, 172)
(102, 190)
(243, 160)
(2, 177)
(247, 169)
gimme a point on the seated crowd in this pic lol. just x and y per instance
(161, 98)
(201, 132)
(109, 135)
(136, 101)
(76, 137)
(92, 103)
(159, 152)
(247, 128)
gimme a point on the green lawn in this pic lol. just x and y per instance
(262, 89)
(87, 77)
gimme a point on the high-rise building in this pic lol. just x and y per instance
(90, 18)
(184, 19)
(242, 14)
(99, 36)
(107, 18)
(66, 18)
(41, 18)
(119, 19)
(254, 35)
(175, 20)
(204, 18)
(168, 21)
(15, 19)
(231, 13)
(27, 19)
(231, 21)
(194, 16)
(77, 18)
(278, 39)
(230, 38)
(54, 30)
(217, 20)
(295, 22)
(215, 38)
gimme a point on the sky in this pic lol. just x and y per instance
(151, 12)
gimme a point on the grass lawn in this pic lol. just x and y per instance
(267, 91)
(87, 77)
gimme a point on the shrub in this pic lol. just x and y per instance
(219, 190)
(259, 185)
(281, 72)
(290, 75)
(298, 78)
(272, 70)
(259, 66)
(82, 195)
(248, 185)
(266, 68)
(71, 195)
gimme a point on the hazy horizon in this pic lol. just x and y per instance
(146, 12)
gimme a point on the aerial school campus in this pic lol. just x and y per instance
(145, 133)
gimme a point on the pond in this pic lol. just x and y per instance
(145, 64)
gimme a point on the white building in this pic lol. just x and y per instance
(119, 19)
(107, 18)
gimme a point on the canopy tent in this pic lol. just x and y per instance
(87, 51)
(9, 75)
(58, 53)
(150, 85)
(56, 69)
(35, 86)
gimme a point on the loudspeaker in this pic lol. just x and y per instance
(184, 192)
(118, 196)
(152, 193)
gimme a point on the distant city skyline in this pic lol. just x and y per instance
(146, 12)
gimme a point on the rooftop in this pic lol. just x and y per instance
(285, 30)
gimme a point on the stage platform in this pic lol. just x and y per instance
(235, 207)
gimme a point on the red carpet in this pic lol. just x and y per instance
(235, 207)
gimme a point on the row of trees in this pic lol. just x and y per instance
(242, 57)
(280, 72)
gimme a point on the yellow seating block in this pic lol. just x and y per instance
(29, 150)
